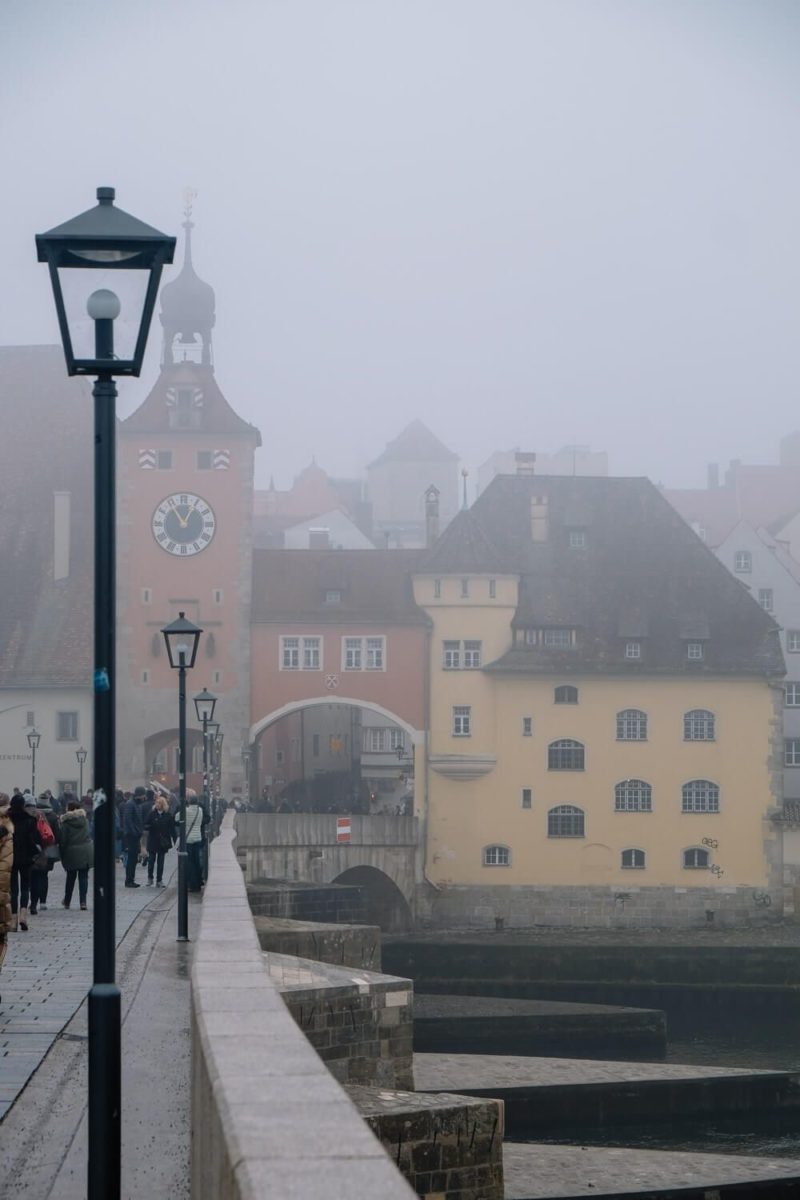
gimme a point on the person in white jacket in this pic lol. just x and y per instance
(196, 821)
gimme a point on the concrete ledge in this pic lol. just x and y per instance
(268, 1119)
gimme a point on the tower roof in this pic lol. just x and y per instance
(415, 443)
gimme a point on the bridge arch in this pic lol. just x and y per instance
(385, 903)
(415, 735)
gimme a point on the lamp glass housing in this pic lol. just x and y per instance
(34, 737)
(104, 249)
(182, 638)
(81, 755)
(212, 729)
(204, 704)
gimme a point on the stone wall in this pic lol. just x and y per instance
(519, 907)
(359, 1022)
(445, 1145)
(268, 1118)
(331, 903)
(341, 945)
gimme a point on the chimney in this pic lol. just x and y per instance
(319, 539)
(525, 462)
(713, 476)
(539, 518)
(431, 515)
(61, 529)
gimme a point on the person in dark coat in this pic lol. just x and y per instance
(77, 852)
(159, 826)
(46, 859)
(26, 847)
(132, 830)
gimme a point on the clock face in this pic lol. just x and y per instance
(184, 524)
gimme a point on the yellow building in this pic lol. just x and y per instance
(605, 739)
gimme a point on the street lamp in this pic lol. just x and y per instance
(182, 639)
(246, 769)
(101, 246)
(81, 757)
(34, 737)
(218, 758)
(204, 704)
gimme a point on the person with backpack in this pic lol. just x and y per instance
(26, 847)
(196, 821)
(42, 865)
(6, 859)
(77, 852)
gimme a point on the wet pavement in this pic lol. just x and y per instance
(43, 1134)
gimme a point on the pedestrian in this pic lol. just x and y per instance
(196, 821)
(6, 860)
(77, 852)
(42, 865)
(132, 828)
(160, 828)
(26, 847)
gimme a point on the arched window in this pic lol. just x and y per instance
(700, 795)
(565, 755)
(633, 795)
(698, 725)
(566, 694)
(496, 856)
(211, 645)
(633, 860)
(631, 725)
(695, 859)
(565, 821)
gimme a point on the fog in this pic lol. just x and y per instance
(528, 222)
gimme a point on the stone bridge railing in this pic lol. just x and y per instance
(321, 829)
(268, 1119)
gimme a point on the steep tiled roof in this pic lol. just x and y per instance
(46, 447)
(462, 547)
(375, 586)
(642, 573)
(415, 443)
(217, 417)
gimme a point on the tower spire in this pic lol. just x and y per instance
(187, 305)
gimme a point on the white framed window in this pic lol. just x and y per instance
(565, 820)
(742, 562)
(565, 755)
(374, 740)
(333, 596)
(633, 795)
(496, 856)
(67, 727)
(702, 796)
(451, 656)
(397, 740)
(375, 653)
(791, 752)
(464, 589)
(351, 653)
(631, 725)
(791, 694)
(577, 539)
(560, 639)
(472, 655)
(633, 860)
(492, 589)
(527, 798)
(301, 653)
(766, 598)
(694, 651)
(527, 726)
(437, 589)
(565, 693)
(793, 641)
(147, 595)
(698, 725)
(462, 720)
(695, 859)
(633, 649)
(363, 654)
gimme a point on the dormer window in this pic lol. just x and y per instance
(577, 539)
(332, 596)
(742, 562)
(551, 637)
(633, 650)
(694, 651)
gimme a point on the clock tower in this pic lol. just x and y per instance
(185, 545)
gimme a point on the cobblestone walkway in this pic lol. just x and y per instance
(46, 976)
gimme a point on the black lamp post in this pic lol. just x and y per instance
(212, 729)
(204, 705)
(101, 247)
(34, 737)
(218, 758)
(81, 757)
(182, 639)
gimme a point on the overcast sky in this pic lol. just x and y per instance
(528, 222)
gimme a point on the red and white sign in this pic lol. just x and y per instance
(343, 829)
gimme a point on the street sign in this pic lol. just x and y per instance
(343, 829)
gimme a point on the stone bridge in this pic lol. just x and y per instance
(381, 856)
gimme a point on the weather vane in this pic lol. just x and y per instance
(189, 196)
